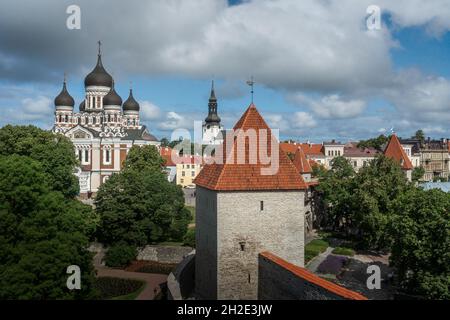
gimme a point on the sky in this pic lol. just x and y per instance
(320, 73)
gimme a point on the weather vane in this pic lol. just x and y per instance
(251, 83)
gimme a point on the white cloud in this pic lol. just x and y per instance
(149, 111)
(41, 106)
(303, 120)
(332, 106)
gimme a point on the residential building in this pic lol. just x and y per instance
(187, 169)
(359, 157)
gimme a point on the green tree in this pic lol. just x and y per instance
(138, 205)
(420, 135)
(54, 152)
(376, 143)
(421, 242)
(417, 174)
(142, 158)
(335, 188)
(376, 186)
(42, 232)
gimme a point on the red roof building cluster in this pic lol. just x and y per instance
(231, 175)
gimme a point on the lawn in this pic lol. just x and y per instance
(344, 251)
(314, 248)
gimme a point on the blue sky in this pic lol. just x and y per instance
(320, 74)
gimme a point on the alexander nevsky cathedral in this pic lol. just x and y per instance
(102, 131)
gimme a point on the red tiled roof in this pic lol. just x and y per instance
(315, 149)
(351, 150)
(300, 162)
(394, 150)
(232, 176)
(166, 154)
(309, 149)
(312, 278)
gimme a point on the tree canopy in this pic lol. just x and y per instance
(376, 143)
(358, 203)
(42, 232)
(54, 152)
(138, 205)
(420, 229)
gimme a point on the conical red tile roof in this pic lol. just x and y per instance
(232, 175)
(300, 162)
(394, 150)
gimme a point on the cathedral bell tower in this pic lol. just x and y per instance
(212, 129)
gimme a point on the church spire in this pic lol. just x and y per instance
(212, 107)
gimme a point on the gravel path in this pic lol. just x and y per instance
(316, 261)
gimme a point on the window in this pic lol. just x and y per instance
(192, 173)
(67, 118)
(261, 205)
(97, 102)
(80, 155)
(355, 164)
(86, 156)
(181, 180)
(107, 155)
(242, 245)
(94, 120)
(183, 173)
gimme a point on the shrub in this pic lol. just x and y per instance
(332, 265)
(110, 287)
(120, 255)
(189, 238)
(344, 251)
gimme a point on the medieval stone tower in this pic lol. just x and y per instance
(242, 211)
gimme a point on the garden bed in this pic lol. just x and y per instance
(118, 289)
(151, 267)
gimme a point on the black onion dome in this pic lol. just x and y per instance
(131, 104)
(112, 98)
(64, 98)
(82, 106)
(98, 76)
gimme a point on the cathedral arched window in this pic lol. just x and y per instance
(59, 117)
(66, 118)
(94, 120)
(86, 156)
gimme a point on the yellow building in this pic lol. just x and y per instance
(187, 170)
